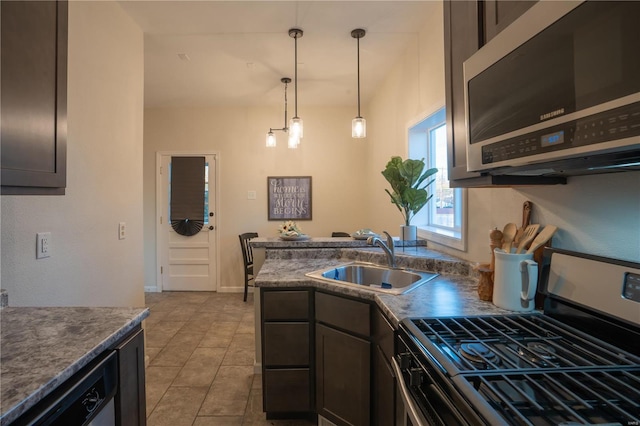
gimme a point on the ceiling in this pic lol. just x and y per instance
(234, 53)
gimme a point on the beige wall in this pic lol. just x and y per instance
(328, 154)
(413, 90)
(596, 214)
(89, 266)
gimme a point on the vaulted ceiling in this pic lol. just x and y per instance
(234, 53)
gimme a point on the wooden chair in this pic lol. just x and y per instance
(247, 257)
(340, 234)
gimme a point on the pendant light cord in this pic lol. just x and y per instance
(285, 108)
(296, 71)
(358, 39)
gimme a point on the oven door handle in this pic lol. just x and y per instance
(412, 410)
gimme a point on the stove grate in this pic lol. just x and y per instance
(562, 397)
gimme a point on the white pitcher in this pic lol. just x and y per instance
(515, 281)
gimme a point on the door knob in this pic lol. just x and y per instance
(210, 227)
(210, 214)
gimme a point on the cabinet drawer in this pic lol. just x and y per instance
(383, 334)
(285, 305)
(287, 390)
(286, 344)
(343, 313)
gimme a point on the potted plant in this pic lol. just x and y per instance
(408, 180)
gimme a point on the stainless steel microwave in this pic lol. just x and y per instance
(557, 90)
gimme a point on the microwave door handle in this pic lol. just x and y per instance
(410, 407)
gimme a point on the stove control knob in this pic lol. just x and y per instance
(415, 377)
(405, 360)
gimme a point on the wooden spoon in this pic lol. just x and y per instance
(526, 217)
(544, 236)
(527, 236)
(508, 234)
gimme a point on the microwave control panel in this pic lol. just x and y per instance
(614, 124)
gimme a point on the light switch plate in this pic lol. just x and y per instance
(251, 195)
(122, 230)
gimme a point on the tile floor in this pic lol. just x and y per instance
(201, 354)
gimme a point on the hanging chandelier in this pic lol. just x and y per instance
(271, 137)
(358, 124)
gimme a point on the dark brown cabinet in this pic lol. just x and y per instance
(468, 25)
(286, 352)
(130, 400)
(328, 354)
(383, 386)
(343, 371)
(34, 96)
(498, 15)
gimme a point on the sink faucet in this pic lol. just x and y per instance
(388, 248)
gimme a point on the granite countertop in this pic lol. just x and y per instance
(43, 347)
(450, 294)
(320, 242)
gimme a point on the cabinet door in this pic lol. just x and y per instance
(343, 369)
(460, 42)
(130, 401)
(498, 15)
(34, 96)
(383, 390)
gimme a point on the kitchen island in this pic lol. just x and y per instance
(330, 343)
(41, 348)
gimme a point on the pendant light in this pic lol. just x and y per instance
(295, 125)
(358, 124)
(271, 137)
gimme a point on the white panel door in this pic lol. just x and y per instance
(187, 263)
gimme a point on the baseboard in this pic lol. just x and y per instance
(150, 289)
(233, 290)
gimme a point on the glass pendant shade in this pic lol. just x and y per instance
(296, 128)
(271, 140)
(358, 127)
(294, 141)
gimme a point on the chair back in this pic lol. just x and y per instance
(247, 253)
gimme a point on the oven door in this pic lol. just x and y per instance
(429, 398)
(407, 412)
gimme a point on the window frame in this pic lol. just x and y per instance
(418, 132)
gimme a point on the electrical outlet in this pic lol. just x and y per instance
(122, 230)
(43, 245)
(251, 195)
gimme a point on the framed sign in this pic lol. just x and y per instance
(289, 197)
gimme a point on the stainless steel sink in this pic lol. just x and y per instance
(374, 277)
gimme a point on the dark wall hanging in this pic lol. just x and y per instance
(187, 194)
(289, 197)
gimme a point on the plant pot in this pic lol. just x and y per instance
(409, 233)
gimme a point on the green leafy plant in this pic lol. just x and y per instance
(408, 180)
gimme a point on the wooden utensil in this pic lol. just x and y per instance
(527, 236)
(495, 241)
(526, 217)
(508, 234)
(544, 236)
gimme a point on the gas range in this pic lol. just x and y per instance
(578, 363)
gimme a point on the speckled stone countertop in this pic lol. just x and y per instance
(43, 347)
(452, 293)
(321, 242)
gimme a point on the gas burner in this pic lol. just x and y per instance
(477, 353)
(542, 349)
(538, 353)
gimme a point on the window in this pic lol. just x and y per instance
(443, 219)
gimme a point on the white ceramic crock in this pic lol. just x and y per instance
(515, 281)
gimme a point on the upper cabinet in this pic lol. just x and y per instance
(468, 25)
(34, 97)
(497, 15)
